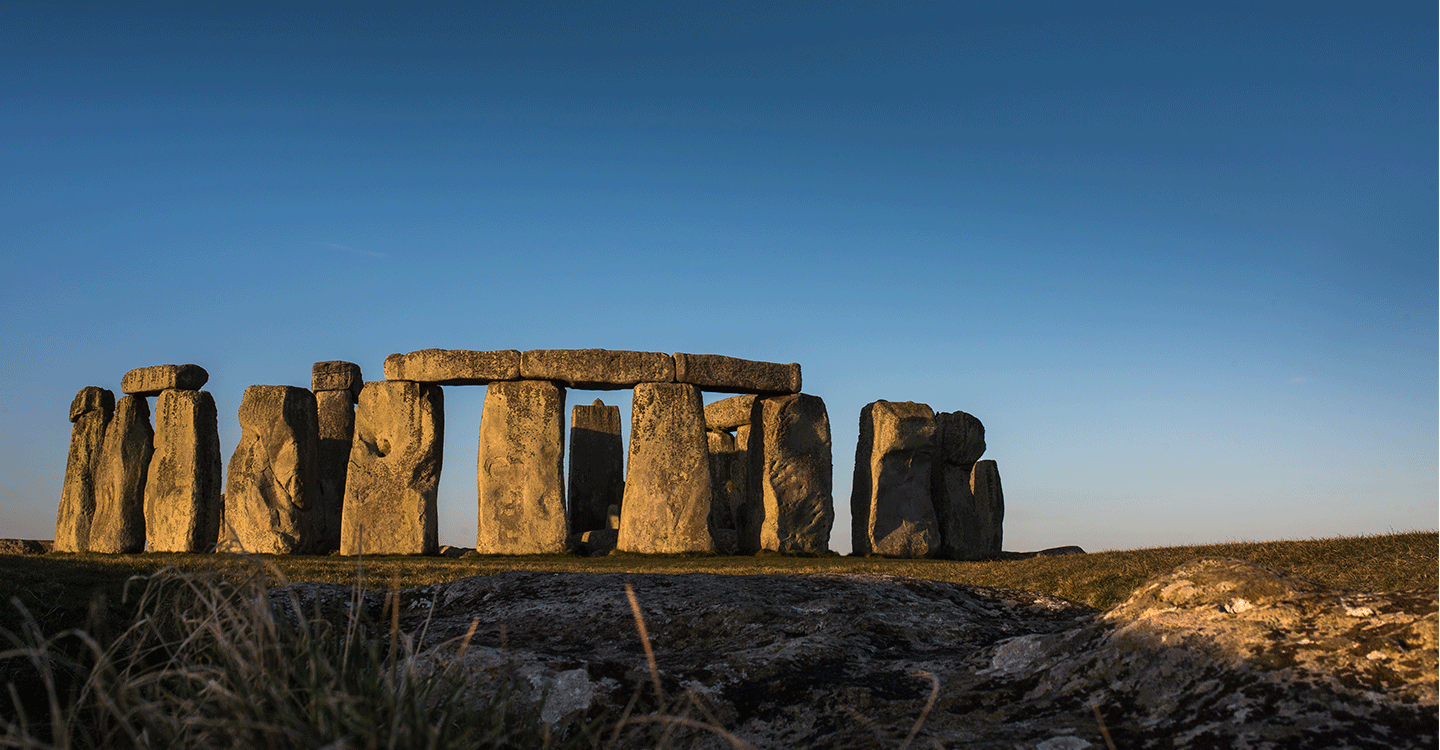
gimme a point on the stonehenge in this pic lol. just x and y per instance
(353, 468)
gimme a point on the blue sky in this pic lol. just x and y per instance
(1180, 258)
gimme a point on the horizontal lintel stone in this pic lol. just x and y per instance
(150, 381)
(715, 372)
(597, 369)
(453, 366)
(336, 375)
(729, 413)
(92, 398)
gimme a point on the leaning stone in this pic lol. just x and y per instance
(119, 525)
(520, 472)
(182, 490)
(729, 413)
(335, 417)
(336, 375)
(150, 381)
(791, 507)
(728, 484)
(597, 369)
(714, 372)
(272, 483)
(890, 506)
(597, 465)
(395, 462)
(667, 487)
(959, 442)
(90, 411)
(453, 366)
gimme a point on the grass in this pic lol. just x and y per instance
(166, 650)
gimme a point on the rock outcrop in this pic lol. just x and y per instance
(395, 463)
(182, 489)
(1218, 653)
(272, 483)
(90, 412)
(119, 525)
(520, 472)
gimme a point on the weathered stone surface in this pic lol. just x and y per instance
(119, 524)
(960, 438)
(890, 506)
(790, 504)
(336, 375)
(729, 413)
(520, 473)
(597, 465)
(335, 418)
(90, 411)
(983, 518)
(596, 542)
(395, 462)
(453, 366)
(667, 487)
(1219, 653)
(715, 372)
(150, 381)
(92, 398)
(597, 369)
(272, 483)
(23, 547)
(182, 489)
(960, 441)
(729, 485)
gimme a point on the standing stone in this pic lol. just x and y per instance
(791, 506)
(336, 385)
(597, 466)
(272, 483)
(960, 441)
(520, 472)
(119, 525)
(90, 411)
(728, 483)
(182, 490)
(395, 462)
(985, 523)
(667, 485)
(890, 506)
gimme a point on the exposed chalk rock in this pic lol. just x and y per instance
(336, 375)
(453, 366)
(890, 505)
(790, 506)
(335, 419)
(395, 462)
(715, 372)
(597, 465)
(150, 381)
(729, 413)
(667, 485)
(520, 473)
(272, 483)
(597, 369)
(960, 441)
(182, 489)
(91, 412)
(119, 524)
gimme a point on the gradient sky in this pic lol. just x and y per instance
(1179, 258)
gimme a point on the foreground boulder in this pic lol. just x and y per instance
(1218, 653)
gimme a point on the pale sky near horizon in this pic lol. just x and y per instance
(1179, 258)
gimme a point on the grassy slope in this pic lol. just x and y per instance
(58, 589)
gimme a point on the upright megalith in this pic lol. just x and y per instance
(395, 462)
(986, 519)
(272, 482)
(182, 489)
(90, 412)
(960, 441)
(119, 525)
(790, 506)
(337, 386)
(520, 472)
(667, 484)
(150, 381)
(597, 466)
(728, 483)
(890, 507)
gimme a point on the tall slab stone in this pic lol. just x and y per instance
(395, 461)
(119, 525)
(90, 412)
(716, 372)
(597, 369)
(985, 519)
(337, 386)
(890, 505)
(667, 484)
(729, 485)
(182, 489)
(150, 381)
(272, 483)
(597, 466)
(960, 441)
(520, 472)
(791, 505)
